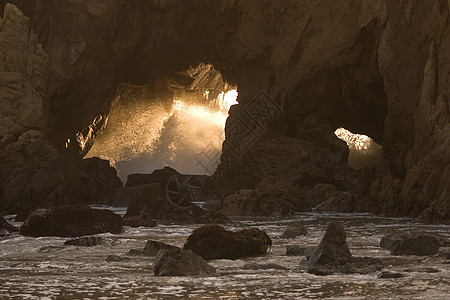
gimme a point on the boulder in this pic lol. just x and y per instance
(412, 244)
(333, 255)
(157, 176)
(295, 250)
(152, 247)
(138, 221)
(89, 241)
(179, 262)
(215, 242)
(390, 275)
(294, 230)
(71, 221)
(135, 252)
(6, 228)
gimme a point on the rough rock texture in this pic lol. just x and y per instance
(333, 255)
(179, 262)
(6, 228)
(294, 230)
(89, 241)
(71, 221)
(214, 242)
(321, 71)
(410, 244)
(295, 250)
(152, 247)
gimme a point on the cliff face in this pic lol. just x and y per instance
(380, 68)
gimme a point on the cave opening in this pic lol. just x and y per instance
(177, 121)
(363, 150)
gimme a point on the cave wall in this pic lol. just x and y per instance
(375, 67)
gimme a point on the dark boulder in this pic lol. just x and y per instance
(89, 241)
(71, 221)
(390, 275)
(214, 242)
(157, 176)
(152, 247)
(295, 250)
(138, 221)
(179, 262)
(6, 228)
(413, 244)
(294, 230)
(333, 255)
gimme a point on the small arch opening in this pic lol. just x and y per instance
(363, 150)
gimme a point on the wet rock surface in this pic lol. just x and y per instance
(6, 228)
(412, 244)
(215, 242)
(295, 250)
(254, 266)
(445, 253)
(294, 230)
(89, 241)
(333, 256)
(390, 275)
(179, 262)
(137, 221)
(152, 247)
(71, 221)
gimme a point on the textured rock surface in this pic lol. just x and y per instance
(294, 230)
(214, 242)
(71, 221)
(333, 255)
(152, 247)
(324, 70)
(411, 244)
(179, 262)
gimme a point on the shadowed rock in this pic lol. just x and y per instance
(179, 262)
(89, 241)
(295, 250)
(333, 255)
(6, 228)
(294, 230)
(400, 244)
(71, 221)
(152, 247)
(214, 242)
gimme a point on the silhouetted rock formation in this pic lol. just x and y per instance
(71, 221)
(214, 242)
(179, 262)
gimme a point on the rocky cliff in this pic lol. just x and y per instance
(376, 67)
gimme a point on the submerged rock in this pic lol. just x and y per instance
(116, 258)
(333, 255)
(444, 252)
(215, 242)
(387, 274)
(294, 230)
(71, 221)
(89, 241)
(295, 250)
(6, 228)
(179, 262)
(139, 221)
(152, 247)
(413, 244)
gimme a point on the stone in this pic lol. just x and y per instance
(294, 230)
(51, 249)
(410, 244)
(6, 228)
(179, 262)
(138, 221)
(215, 242)
(444, 252)
(390, 275)
(152, 247)
(254, 266)
(135, 252)
(89, 241)
(71, 221)
(116, 258)
(333, 256)
(295, 250)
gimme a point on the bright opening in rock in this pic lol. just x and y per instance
(363, 151)
(182, 128)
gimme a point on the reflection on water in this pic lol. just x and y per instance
(68, 272)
